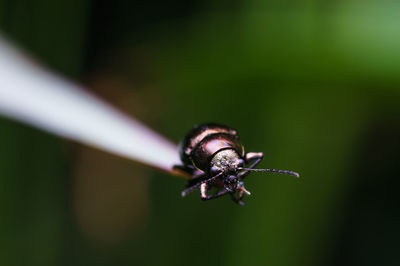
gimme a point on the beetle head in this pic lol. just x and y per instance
(231, 183)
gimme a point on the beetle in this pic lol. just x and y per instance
(213, 156)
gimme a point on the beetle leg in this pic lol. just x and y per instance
(241, 190)
(216, 195)
(237, 200)
(187, 169)
(203, 190)
(251, 156)
(191, 186)
(200, 183)
(195, 179)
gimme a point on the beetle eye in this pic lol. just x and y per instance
(214, 170)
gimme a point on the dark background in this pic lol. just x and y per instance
(315, 85)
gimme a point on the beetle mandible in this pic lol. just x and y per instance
(214, 157)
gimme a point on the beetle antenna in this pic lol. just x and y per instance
(187, 191)
(272, 170)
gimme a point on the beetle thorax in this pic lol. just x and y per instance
(225, 161)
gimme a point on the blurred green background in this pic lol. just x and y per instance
(315, 85)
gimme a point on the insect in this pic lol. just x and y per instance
(214, 157)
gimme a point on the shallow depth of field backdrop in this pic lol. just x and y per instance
(315, 85)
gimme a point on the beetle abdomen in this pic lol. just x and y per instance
(196, 135)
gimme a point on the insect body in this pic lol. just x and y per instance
(214, 157)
